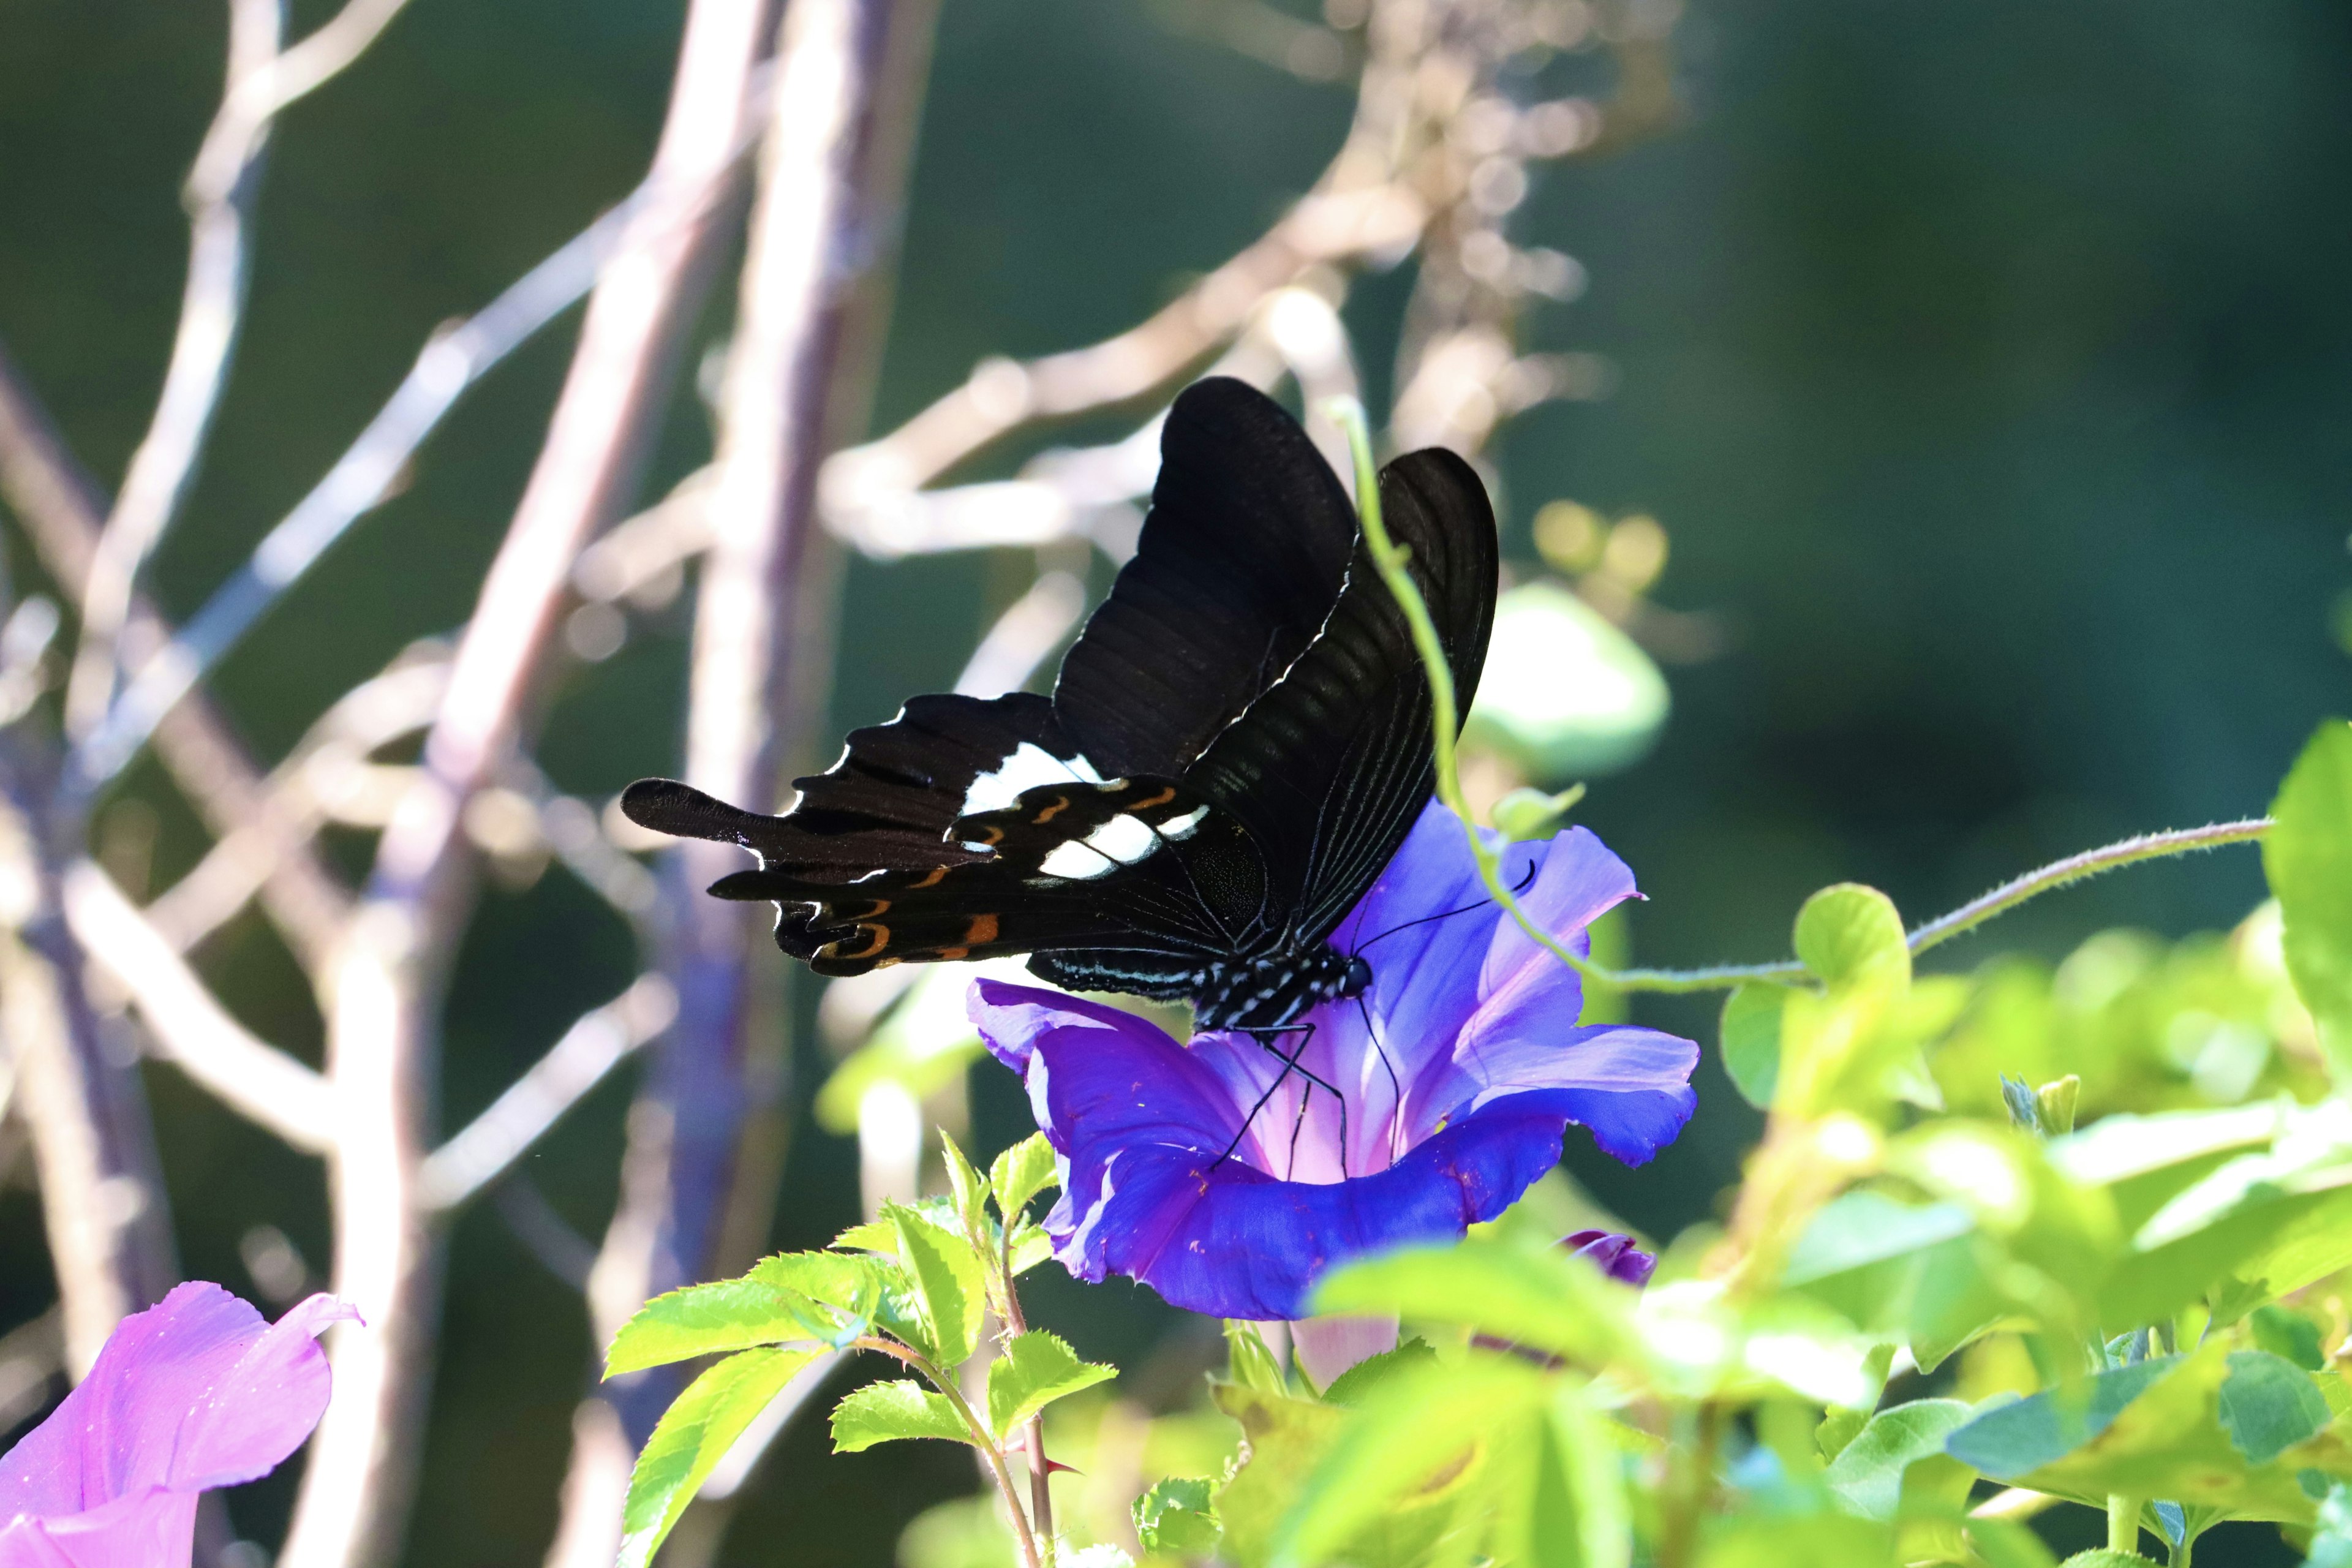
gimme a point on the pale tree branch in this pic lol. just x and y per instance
(101, 1188)
(212, 312)
(385, 998)
(190, 1028)
(599, 1042)
(61, 512)
(699, 1178)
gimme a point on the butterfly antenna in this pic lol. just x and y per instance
(1446, 915)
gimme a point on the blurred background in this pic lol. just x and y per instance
(1982, 368)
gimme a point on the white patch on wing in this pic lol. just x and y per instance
(1183, 827)
(1121, 841)
(1030, 765)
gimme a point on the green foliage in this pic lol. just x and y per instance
(1751, 1040)
(949, 1280)
(1177, 1518)
(2308, 858)
(886, 1412)
(1035, 1369)
(693, 1435)
(1850, 938)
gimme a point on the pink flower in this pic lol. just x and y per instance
(196, 1392)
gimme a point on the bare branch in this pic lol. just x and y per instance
(212, 313)
(383, 1025)
(696, 1186)
(61, 511)
(503, 1134)
(255, 98)
(101, 1191)
(190, 1028)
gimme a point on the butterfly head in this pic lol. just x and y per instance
(1357, 978)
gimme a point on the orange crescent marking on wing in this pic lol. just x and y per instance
(1061, 803)
(881, 906)
(931, 878)
(881, 940)
(952, 952)
(981, 930)
(1162, 798)
(995, 835)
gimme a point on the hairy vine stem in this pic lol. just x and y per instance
(1392, 561)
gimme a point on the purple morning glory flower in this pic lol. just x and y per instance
(1613, 1255)
(1460, 1069)
(195, 1393)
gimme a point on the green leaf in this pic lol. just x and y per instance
(693, 1434)
(1864, 1227)
(2013, 1440)
(1035, 1370)
(2107, 1557)
(1503, 1287)
(949, 1280)
(1177, 1519)
(2289, 1334)
(1851, 937)
(970, 1192)
(1249, 1361)
(874, 1235)
(2268, 1406)
(886, 1412)
(1413, 1434)
(2308, 859)
(1867, 1474)
(1528, 813)
(1031, 1246)
(735, 1314)
(1351, 1386)
(1751, 1040)
(1819, 1541)
(1020, 1173)
(1283, 1439)
(2004, 1544)
(2331, 1543)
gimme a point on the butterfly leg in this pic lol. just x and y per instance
(1290, 1064)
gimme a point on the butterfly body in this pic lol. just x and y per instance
(1235, 746)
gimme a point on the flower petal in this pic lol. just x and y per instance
(156, 1528)
(196, 1391)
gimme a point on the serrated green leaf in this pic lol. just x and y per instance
(1417, 1431)
(1751, 1040)
(1020, 1173)
(1177, 1518)
(2268, 1404)
(2013, 1440)
(1035, 1369)
(2308, 859)
(1031, 1246)
(889, 1412)
(2288, 1334)
(1284, 1438)
(1867, 1474)
(968, 1191)
(1850, 938)
(2107, 1557)
(1351, 1386)
(873, 1236)
(950, 1284)
(731, 1315)
(2004, 1544)
(692, 1436)
(1523, 1295)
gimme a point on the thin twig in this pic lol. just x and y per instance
(599, 1042)
(102, 1196)
(698, 1182)
(212, 314)
(191, 1028)
(671, 208)
(387, 988)
(62, 512)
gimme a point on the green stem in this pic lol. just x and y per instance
(981, 1438)
(2123, 1523)
(1041, 1473)
(1391, 558)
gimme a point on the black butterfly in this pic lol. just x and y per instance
(1236, 745)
